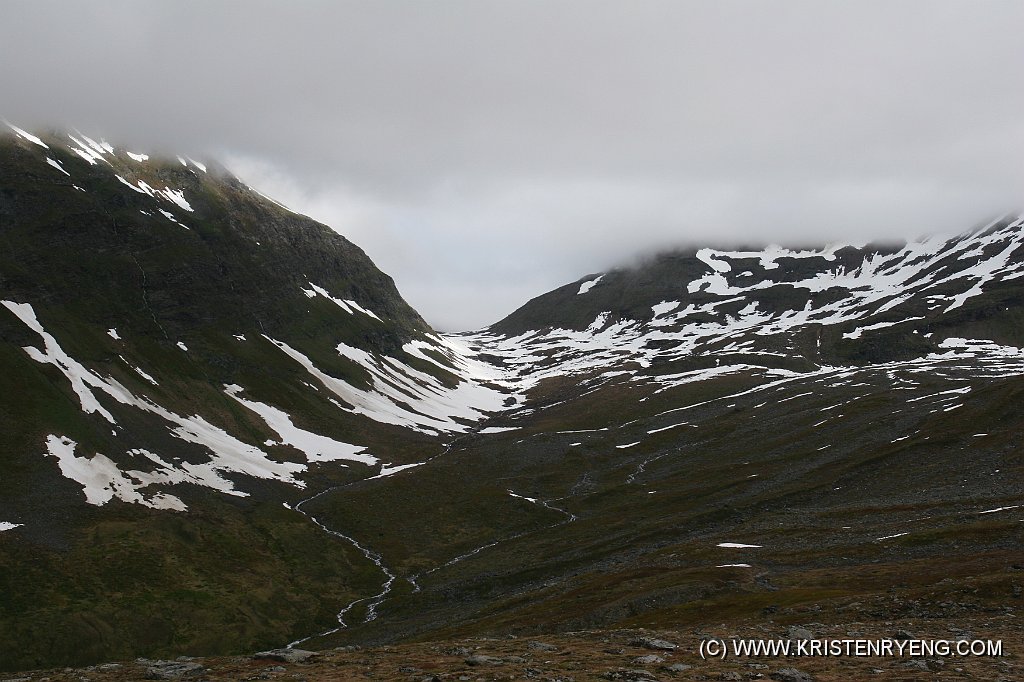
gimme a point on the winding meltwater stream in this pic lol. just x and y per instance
(390, 577)
(375, 600)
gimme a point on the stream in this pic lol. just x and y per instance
(389, 576)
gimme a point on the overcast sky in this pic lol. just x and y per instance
(484, 152)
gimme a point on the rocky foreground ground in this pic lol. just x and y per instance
(628, 655)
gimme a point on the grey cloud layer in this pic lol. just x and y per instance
(484, 151)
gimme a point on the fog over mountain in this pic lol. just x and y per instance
(483, 153)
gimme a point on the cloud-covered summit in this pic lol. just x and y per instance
(483, 152)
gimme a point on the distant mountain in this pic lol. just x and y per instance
(843, 297)
(724, 437)
(224, 430)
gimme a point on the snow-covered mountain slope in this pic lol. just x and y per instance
(693, 315)
(196, 334)
(189, 290)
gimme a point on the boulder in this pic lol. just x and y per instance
(286, 655)
(653, 643)
(797, 633)
(791, 675)
(541, 646)
(173, 670)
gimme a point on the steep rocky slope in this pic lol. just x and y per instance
(178, 357)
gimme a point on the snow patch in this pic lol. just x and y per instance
(588, 285)
(999, 509)
(664, 307)
(315, 447)
(404, 396)
(56, 164)
(890, 537)
(392, 469)
(349, 306)
(102, 481)
(27, 136)
(139, 371)
(227, 454)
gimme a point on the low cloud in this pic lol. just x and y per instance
(483, 152)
